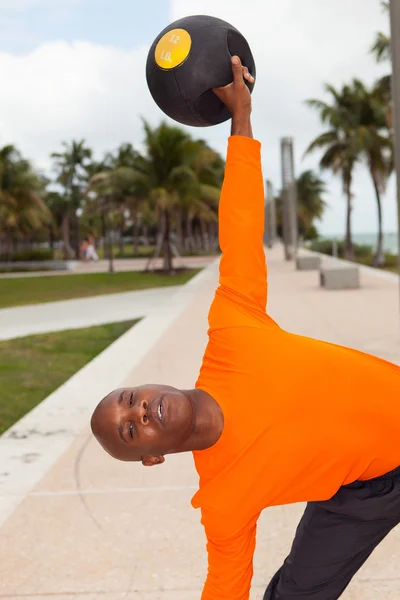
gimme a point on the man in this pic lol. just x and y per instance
(274, 418)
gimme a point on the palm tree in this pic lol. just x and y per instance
(70, 166)
(118, 188)
(129, 188)
(125, 156)
(166, 167)
(56, 204)
(340, 144)
(375, 147)
(22, 211)
(382, 45)
(176, 178)
(100, 190)
(201, 200)
(310, 202)
(383, 52)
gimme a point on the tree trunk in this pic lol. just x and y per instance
(121, 234)
(212, 237)
(204, 235)
(104, 234)
(135, 232)
(189, 241)
(348, 247)
(51, 237)
(179, 231)
(379, 258)
(108, 245)
(78, 240)
(167, 252)
(198, 240)
(145, 234)
(111, 254)
(67, 250)
(10, 246)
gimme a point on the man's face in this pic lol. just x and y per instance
(143, 423)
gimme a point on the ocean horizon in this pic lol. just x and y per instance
(390, 240)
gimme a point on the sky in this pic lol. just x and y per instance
(75, 69)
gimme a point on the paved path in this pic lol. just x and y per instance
(81, 312)
(85, 526)
(85, 312)
(126, 264)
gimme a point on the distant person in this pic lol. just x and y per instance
(83, 249)
(91, 253)
(275, 418)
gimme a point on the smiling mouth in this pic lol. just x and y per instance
(160, 411)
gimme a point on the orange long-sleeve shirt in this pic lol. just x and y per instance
(301, 417)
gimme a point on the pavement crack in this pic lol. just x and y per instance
(77, 478)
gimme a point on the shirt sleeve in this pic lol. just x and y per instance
(243, 268)
(230, 561)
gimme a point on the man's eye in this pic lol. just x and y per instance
(131, 400)
(130, 430)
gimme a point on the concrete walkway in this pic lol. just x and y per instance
(120, 265)
(85, 312)
(81, 312)
(85, 526)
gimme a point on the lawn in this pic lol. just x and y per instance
(33, 367)
(36, 290)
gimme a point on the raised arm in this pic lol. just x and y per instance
(241, 212)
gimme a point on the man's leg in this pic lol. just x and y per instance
(335, 538)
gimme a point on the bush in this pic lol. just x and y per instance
(38, 254)
(391, 260)
(361, 251)
(326, 246)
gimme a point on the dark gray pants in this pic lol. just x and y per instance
(335, 538)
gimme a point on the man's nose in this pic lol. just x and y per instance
(140, 412)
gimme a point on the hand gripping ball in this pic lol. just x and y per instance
(189, 58)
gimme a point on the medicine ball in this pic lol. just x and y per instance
(189, 58)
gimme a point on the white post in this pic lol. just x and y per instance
(289, 199)
(270, 215)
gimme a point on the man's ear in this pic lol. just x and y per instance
(150, 461)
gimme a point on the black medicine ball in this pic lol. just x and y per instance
(189, 58)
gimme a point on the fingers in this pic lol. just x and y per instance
(237, 69)
(240, 72)
(247, 75)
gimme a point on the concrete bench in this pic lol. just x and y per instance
(308, 263)
(340, 276)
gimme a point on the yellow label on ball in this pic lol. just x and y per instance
(173, 48)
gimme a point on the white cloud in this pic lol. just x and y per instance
(298, 46)
(62, 91)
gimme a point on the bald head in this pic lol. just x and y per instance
(143, 423)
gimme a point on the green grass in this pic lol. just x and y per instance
(20, 291)
(33, 367)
